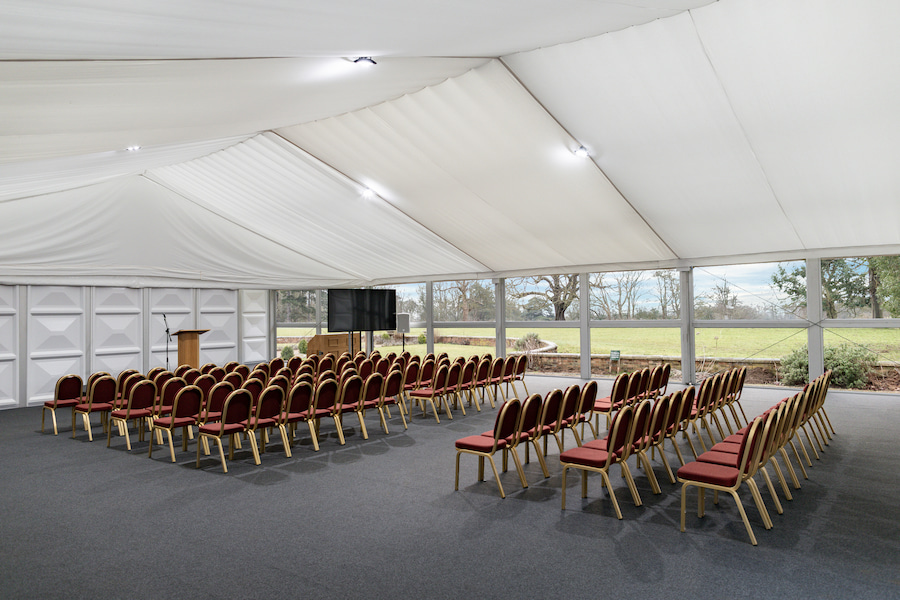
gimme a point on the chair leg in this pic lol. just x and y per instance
(537, 450)
(362, 425)
(519, 468)
(340, 428)
(740, 507)
(171, 445)
(253, 446)
(284, 440)
(765, 474)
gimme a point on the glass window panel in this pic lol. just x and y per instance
(552, 350)
(720, 348)
(542, 298)
(647, 344)
(754, 291)
(295, 306)
(878, 349)
(635, 295)
(865, 287)
(463, 300)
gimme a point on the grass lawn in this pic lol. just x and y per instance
(724, 342)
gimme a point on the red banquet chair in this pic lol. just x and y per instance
(505, 430)
(66, 395)
(100, 400)
(185, 413)
(139, 408)
(235, 414)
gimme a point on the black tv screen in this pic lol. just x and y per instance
(362, 310)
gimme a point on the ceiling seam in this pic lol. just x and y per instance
(740, 125)
(640, 215)
(390, 204)
(162, 184)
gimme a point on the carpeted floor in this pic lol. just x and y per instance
(379, 518)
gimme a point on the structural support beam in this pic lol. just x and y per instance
(429, 316)
(500, 317)
(688, 349)
(319, 311)
(584, 299)
(815, 335)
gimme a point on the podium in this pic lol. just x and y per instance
(189, 346)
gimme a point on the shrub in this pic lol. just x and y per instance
(301, 346)
(529, 341)
(385, 337)
(287, 352)
(423, 339)
(849, 363)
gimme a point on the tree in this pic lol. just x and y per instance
(844, 285)
(616, 295)
(887, 282)
(295, 306)
(561, 291)
(668, 293)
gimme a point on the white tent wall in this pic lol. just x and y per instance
(49, 331)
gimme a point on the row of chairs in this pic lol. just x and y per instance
(629, 388)
(740, 456)
(527, 423)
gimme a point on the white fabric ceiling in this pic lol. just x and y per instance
(720, 132)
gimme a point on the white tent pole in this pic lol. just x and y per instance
(815, 340)
(688, 350)
(429, 316)
(584, 292)
(500, 316)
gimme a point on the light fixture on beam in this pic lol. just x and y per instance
(368, 194)
(582, 152)
(132, 148)
(365, 61)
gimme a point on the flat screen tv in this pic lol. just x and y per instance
(362, 310)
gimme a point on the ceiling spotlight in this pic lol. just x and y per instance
(133, 148)
(582, 152)
(365, 60)
(368, 194)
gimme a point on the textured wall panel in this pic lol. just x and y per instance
(218, 313)
(177, 305)
(56, 338)
(254, 319)
(9, 346)
(117, 330)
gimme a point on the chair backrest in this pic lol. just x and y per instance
(180, 370)
(275, 364)
(439, 381)
(130, 382)
(531, 416)
(351, 392)
(307, 368)
(285, 372)
(206, 368)
(205, 383)
(552, 406)
(688, 399)
(414, 358)
(359, 358)
(658, 417)
(191, 375)
(635, 384)
(326, 363)
(244, 371)
(411, 375)
(170, 389)
(218, 373)
(664, 383)
(255, 387)
(307, 377)
(619, 431)
(676, 400)
(300, 397)
(259, 374)
(326, 394)
(234, 378)
(188, 402)
(237, 407)
(639, 425)
(230, 365)
(619, 393)
(215, 399)
(468, 374)
(383, 366)
(281, 381)
(655, 379)
(509, 367)
(570, 404)
(161, 378)
(342, 360)
(123, 376)
(507, 423)
(751, 445)
(372, 387)
(454, 377)
(483, 370)
(264, 367)
(142, 395)
(326, 375)
(152, 373)
(294, 364)
(497, 368)
(521, 365)
(588, 396)
(348, 372)
(94, 377)
(270, 403)
(426, 373)
(103, 390)
(393, 384)
(68, 387)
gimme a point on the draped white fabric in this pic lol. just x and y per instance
(722, 132)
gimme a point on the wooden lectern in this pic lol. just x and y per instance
(189, 346)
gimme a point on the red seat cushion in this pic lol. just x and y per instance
(479, 443)
(423, 393)
(98, 406)
(719, 458)
(589, 457)
(297, 416)
(214, 428)
(730, 447)
(597, 444)
(703, 472)
(63, 403)
(736, 438)
(135, 414)
(173, 422)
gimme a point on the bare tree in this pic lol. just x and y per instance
(668, 293)
(616, 295)
(561, 291)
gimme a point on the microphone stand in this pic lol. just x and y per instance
(168, 339)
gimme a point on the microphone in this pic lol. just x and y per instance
(166, 321)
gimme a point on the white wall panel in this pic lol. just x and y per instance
(177, 307)
(254, 326)
(219, 314)
(117, 330)
(56, 338)
(9, 353)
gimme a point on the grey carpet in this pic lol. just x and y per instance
(380, 519)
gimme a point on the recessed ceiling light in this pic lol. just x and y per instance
(368, 194)
(365, 61)
(582, 152)
(133, 148)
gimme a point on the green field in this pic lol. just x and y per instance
(724, 342)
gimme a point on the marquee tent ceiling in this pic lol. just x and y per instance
(720, 132)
